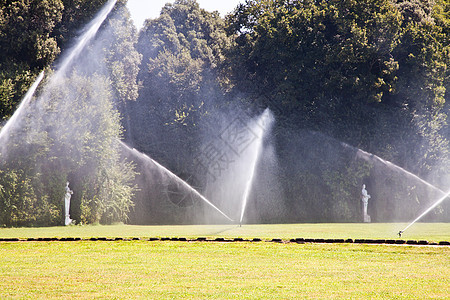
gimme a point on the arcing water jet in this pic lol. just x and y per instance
(369, 156)
(260, 128)
(439, 201)
(91, 31)
(388, 163)
(12, 121)
(174, 177)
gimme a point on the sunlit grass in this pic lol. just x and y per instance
(211, 270)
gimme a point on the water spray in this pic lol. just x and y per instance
(439, 201)
(264, 123)
(26, 99)
(388, 163)
(175, 177)
(365, 155)
(93, 27)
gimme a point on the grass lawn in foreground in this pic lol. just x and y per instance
(433, 232)
(212, 270)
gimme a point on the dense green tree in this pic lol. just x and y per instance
(17, 200)
(27, 46)
(32, 34)
(350, 68)
(182, 51)
(63, 145)
(102, 179)
(422, 55)
(116, 43)
(371, 73)
(76, 14)
(316, 57)
(71, 132)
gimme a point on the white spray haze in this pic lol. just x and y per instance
(9, 126)
(173, 177)
(260, 128)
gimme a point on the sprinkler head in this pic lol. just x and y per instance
(400, 233)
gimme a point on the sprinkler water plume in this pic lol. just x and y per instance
(439, 201)
(263, 125)
(173, 177)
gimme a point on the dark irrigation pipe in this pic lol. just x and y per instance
(221, 240)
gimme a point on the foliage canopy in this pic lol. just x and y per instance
(372, 74)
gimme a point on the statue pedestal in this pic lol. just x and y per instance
(367, 219)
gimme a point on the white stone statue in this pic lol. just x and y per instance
(67, 197)
(365, 199)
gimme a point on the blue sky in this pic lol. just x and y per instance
(144, 9)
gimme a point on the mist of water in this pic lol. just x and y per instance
(173, 176)
(4, 132)
(369, 156)
(83, 40)
(439, 201)
(260, 128)
(250, 161)
(61, 71)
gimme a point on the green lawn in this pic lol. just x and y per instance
(420, 231)
(212, 270)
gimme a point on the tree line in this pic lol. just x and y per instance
(371, 74)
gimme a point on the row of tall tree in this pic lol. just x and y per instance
(371, 74)
(71, 129)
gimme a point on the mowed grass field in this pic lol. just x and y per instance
(216, 270)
